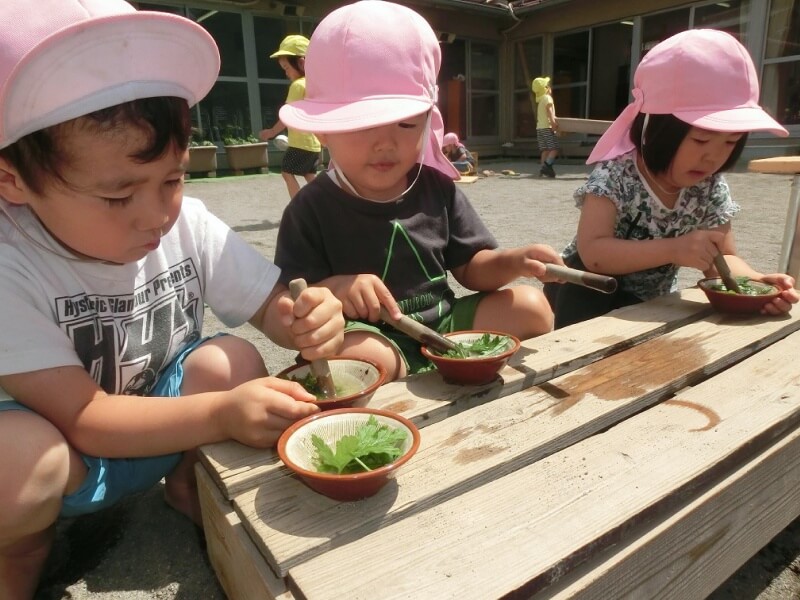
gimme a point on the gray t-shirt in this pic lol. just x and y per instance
(410, 244)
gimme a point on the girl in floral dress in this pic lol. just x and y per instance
(657, 200)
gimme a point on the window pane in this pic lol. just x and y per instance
(226, 110)
(730, 16)
(527, 62)
(452, 87)
(570, 101)
(484, 85)
(484, 115)
(611, 66)
(484, 67)
(524, 117)
(780, 91)
(226, 28)
(269, 33)
(783, 33)
(570, 70)
(570, 58)
(273, 96)
(658, 27)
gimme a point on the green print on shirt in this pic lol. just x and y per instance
(424, 300)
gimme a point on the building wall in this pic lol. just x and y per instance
(495, 27)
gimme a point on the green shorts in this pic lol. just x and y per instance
(460, 318)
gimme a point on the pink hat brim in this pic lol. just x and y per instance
(744, 119)
(616, 140)
(320, 117)
(323, 117)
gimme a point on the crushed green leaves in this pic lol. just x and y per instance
(486, 345)
(747, 287)
(372, 446)
(312, 386)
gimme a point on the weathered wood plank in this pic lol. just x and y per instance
(718, 531)
(289, 524)
(593, 126)
(239, 567)
(519, 533)
(775, 165)
(426, 399)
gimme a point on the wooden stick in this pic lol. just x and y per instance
(601, 283)
(725, 273)
(418, 331)
(319, 367)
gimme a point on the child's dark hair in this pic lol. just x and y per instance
(298, 62)
(41, 156)
(663, 136)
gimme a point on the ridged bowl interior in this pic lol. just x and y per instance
(300, 450)
(366, 376)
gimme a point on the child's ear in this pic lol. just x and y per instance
(12, 187)
(323, 138)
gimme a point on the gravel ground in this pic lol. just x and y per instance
(142, 550)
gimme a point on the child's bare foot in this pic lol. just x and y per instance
(185, 500)
(21, 565)
(180, 489)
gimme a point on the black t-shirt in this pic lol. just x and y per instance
(410, 244)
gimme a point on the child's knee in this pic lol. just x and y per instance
(38, 471)
(530, 311)
(221, 363)
(375, 348)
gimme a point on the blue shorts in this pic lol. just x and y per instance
(110, 479)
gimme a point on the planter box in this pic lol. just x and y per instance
(247, 156)
(203, 159)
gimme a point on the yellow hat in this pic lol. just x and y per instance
(292, 45)
(539, 86)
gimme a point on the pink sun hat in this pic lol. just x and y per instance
(369, 64)
(450, 139)
(703, 77)
(62, 59)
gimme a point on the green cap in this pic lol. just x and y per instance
(292, 45)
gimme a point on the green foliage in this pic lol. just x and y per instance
(373, 446)
(486, 345)
(747, 287)
(198, 139)
(236, 136)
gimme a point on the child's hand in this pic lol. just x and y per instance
(532, 260)
(256, 413)
(698, 248)
(362, 296)
(789, 295)
(315, 321)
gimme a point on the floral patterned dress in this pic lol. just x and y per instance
(642, 216)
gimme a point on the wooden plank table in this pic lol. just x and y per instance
(648, 452)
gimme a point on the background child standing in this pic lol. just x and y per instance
(301, 158)
(657, 200)
(107, 384)
(546, 125)
(386, 223)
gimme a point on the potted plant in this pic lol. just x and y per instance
(202, 155)
(245, 152)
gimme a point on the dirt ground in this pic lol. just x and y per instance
(142, 550)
